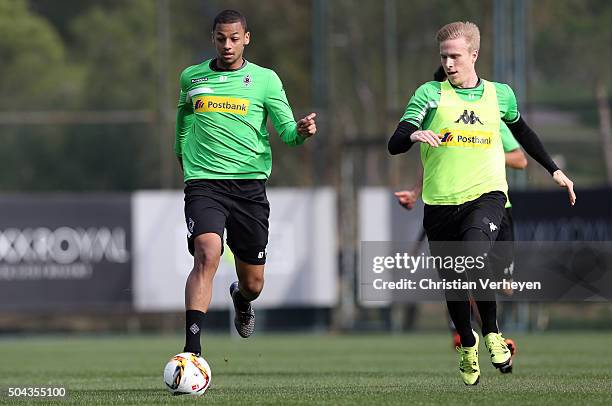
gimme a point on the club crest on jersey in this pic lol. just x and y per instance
(246, 81)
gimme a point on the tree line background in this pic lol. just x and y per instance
(88, 87)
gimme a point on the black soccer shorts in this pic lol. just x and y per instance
(450, 222)
(238, 205)
(467, 230)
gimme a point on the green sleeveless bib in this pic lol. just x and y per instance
(470, 160)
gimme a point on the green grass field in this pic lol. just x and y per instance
(564, 368)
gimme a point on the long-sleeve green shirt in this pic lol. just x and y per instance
(221, 121)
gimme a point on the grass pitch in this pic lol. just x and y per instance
(555, 369)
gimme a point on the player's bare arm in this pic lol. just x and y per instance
(407, 198)
(516, 159)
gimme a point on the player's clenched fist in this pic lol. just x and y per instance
(307, 127)
(407, 198)
(427, 137)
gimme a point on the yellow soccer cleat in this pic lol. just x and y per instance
(501, 357)
(468, 363)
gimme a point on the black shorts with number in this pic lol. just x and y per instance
(238, 205)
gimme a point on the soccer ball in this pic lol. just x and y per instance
(187, 374)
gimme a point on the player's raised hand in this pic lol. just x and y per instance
(565, 182)
(407, 198)
(427, 137)
(307, 127)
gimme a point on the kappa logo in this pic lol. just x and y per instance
(492, 226)
(198, 80)
(470, 118)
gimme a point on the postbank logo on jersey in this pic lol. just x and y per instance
(221, 104)
(459, 137)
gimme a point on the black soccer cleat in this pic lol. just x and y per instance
(244, 321)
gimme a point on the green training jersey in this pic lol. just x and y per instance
(221, 121)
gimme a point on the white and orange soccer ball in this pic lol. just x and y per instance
(187, 374)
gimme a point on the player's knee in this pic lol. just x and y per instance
(252, 285)
(206, 256)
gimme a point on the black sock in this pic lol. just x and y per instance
(241, 303)
(459, 312)
(488, 315)
(194, 322)
(477, 243)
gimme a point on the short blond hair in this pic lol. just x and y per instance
(459, 29)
